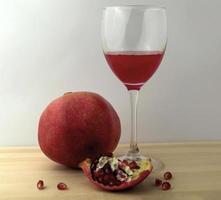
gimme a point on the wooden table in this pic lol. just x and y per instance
(196, 167)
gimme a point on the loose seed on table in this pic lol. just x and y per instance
(40, 185)
(165, 186)
(167, 175)
(158, 182)
(62, 186)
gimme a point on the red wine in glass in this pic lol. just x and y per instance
(134, 68)
(134, 39)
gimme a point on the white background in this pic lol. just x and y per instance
(48, 47)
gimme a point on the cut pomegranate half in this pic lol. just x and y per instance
(109, 173)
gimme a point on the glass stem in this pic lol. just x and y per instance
(134, 150)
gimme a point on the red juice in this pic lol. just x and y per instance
(134, 68)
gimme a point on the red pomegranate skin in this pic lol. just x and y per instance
(77, 126)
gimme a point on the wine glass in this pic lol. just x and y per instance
(134, 40)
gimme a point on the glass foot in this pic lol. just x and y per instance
(158, 165)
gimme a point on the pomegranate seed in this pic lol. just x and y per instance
(111, 183)
(167, 175)
(115, 172)
(123, 176)
(62, 186)
(133, 165)
(158, 182)
(165, 186)
(98, 173)
(125, 162)
(100, 179)
(118, 183)
(105, 178)
(107, 169)
(40, 185)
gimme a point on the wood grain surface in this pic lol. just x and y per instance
(196, 167)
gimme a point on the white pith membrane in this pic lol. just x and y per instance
(124, 173)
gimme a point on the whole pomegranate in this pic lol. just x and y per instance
(76, 126)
